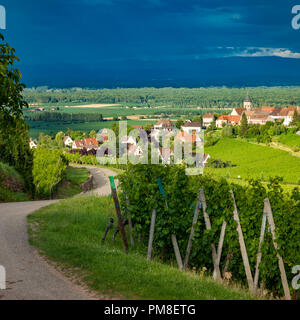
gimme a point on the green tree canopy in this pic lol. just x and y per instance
(14, 133)
(244, 126)
(11, 98)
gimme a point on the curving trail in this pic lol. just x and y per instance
(28, 277)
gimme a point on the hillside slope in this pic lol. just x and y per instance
(11, 185)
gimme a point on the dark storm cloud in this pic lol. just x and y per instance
(95, 32)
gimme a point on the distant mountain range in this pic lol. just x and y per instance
(231, 72)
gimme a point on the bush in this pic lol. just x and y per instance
(48, 170)
(218, 163)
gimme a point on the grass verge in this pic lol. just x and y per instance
(70, 186)
(69, 233)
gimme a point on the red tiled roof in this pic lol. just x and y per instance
(270, 109)
(165, 123)
(186, 137)
(239, 111)
(79, 143)
(208, 115)
(230, 118)
(192, 125)
(91, 142)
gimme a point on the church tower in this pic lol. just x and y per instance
(248, 102)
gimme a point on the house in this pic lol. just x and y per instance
(238, 111)
(288, 118)
(186, 137)
(165, 126)
(192, 127)
(284, 114)
(128, 140)
(32, 144)
(247, 106)
(89, 143)
(68, 141)
(137, 127)
(136, 150)
(208, 119)
(227, 120)
(78, 144)
(258, 116)
(260, 119)
(269, 109)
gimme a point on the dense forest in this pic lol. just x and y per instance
(214, 97)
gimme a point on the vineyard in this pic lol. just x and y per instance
(175, 201)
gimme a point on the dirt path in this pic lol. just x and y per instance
(101, 179)
(28, 277)
(276, 145)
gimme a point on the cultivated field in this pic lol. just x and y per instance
(99, 105)
(254, 161)
(51, 128)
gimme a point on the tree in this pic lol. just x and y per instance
(198, 119)
(148, 127)
(227, 131)
(179, 123)
(14, 132)
(59, 138)
(11, 98)
(296, 118)
(244, 126)
(93, 134)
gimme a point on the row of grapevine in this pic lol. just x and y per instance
(49, 167)
(89, 160)
(176, 208)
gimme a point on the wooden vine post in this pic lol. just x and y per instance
(217, 272)
(118, 212)
(280, 261)
(242, 244)
(261, 240)
(189, 246)
(151, 236)
(130, 224)
(177, 252)
(220, 246)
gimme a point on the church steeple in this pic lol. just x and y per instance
(248, 102)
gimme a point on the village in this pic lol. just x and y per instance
(188, 132)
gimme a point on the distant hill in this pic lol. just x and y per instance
(232, 72)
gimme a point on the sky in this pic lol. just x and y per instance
(108, 43)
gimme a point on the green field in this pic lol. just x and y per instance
(254, 161)
(118, 111)
(70, 233)
(51, 128)
(291, 140)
